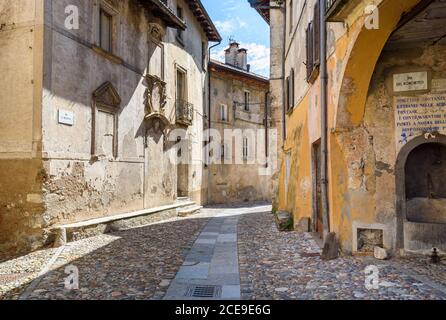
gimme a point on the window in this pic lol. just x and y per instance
(247, 100)
(156, 59)
(179, 31)
(245, 148)
(181, 85)
(291, 16)
(313, 45)
(105, 30)
(223, 113)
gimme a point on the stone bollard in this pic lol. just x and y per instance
(331, 247)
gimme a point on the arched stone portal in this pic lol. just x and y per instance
(421, 194)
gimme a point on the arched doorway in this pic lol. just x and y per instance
(421, 194)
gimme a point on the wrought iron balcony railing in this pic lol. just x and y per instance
(184, 112)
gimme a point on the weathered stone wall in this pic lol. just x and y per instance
(375, 178)
(230, 181)
(21, 174)
(50, 173)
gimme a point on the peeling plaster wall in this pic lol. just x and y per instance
(141, 176)
(77, 187)
(189, 58)
(21, 174)
(238, 182)
(361, 139)
(48, 175)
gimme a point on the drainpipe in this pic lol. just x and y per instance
(209, 83)
(266, 129)
(209, 109)
(324, 126)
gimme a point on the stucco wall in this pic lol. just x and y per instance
(21, 47)
(230, 181)
(49, 173)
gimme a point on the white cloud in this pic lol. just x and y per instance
(226, 27)
(258, 57)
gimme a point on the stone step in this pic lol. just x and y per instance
(181, 199)
(189, 210)
(93, 227)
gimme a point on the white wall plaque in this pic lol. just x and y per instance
(412, 81)
(66, 117)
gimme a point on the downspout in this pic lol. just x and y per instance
(209, 83)
(324, 126)
(284, 96)
(209, 112)
(266, 129)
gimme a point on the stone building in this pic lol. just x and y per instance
(239, 112)
(91, 94)
(385, 128)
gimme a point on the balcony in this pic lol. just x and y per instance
(338, 10)
(184, 112)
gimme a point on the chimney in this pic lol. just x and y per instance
(231, 54)
(248, 67)
(242, 59)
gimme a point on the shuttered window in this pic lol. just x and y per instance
(313, 44)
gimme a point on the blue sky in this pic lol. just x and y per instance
(236, 19)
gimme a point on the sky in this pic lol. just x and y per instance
(237, 20)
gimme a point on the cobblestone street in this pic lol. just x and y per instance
(167, 258)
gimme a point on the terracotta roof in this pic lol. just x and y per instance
(218, 65)
(203, 18)
(262, 7)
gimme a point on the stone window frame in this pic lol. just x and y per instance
(100, 105)
(179, 68)
(155, 38)
(111, 9)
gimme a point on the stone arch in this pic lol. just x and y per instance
(400, 180)
(362, 58)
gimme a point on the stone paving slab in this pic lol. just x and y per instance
(223, 269)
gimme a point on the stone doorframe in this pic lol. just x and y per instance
(400, 180)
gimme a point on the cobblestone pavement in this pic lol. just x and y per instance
(287, 265)
(141, 263)
(127, 265)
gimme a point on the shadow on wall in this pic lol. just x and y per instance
(135, 264)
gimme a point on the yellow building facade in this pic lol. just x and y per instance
(385, 130)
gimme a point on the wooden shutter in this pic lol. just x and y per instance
(292, 88)
(317, 35)
(287, 94)
(310, 43)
